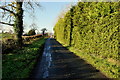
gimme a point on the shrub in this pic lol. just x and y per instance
(31, 32)
(8, 45)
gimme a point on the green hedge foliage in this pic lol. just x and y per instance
(91, 27)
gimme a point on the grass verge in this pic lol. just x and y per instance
(111, 70)
(19, 63)
(7, 36)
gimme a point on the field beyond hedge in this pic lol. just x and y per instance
(19, 63)
(90, 29)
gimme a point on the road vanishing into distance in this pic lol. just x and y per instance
(59, 63)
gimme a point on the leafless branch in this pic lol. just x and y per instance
(7, 10)
(7, 23)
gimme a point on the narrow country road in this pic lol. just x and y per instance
(58, 62)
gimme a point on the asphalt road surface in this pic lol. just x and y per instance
(59, 63)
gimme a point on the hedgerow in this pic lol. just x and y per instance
(92, 27)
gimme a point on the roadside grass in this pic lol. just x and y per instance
(19, 63)
(7, 36)
(111, 70)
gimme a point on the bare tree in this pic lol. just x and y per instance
(33, 26)
(43, 31)
(13, 13)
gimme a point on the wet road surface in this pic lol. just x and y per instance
(59, 63)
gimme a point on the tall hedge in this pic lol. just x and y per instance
(91, 27)
(95, 28)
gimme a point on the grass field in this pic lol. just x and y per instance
(19, 63)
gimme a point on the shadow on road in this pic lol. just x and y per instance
(65, 64)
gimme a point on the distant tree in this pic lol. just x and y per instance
(31, 32)
(10, 31)
(33, 26)
(43, 31)
(3, 30)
